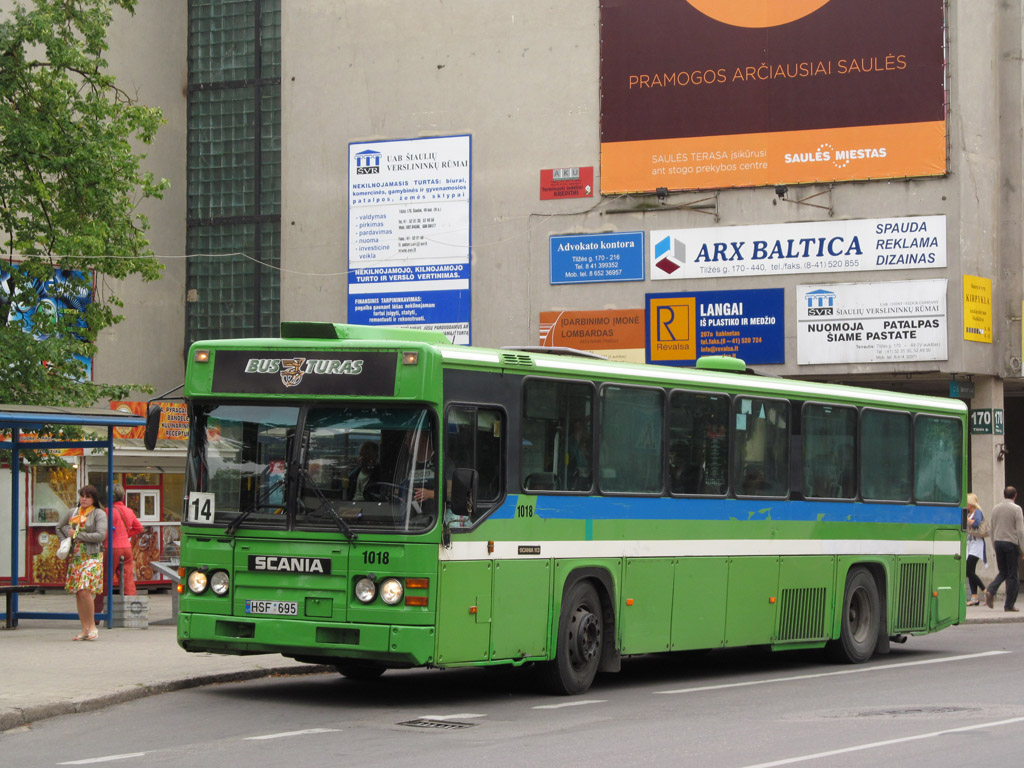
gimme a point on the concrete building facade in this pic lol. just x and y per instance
(525, 83)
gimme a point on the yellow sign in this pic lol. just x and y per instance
(977, 309)
(673, 328)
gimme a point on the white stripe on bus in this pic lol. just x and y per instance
(509, 550)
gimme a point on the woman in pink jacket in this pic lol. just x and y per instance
(126, 525)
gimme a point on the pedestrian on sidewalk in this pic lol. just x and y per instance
(126, 528)
(87, 527)
(975, 547)
(1007, 526)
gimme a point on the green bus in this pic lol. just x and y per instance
(376, 498)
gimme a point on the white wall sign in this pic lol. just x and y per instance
(805, 248)
(409, 234)
(871, 322)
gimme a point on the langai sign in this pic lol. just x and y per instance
(701, 94)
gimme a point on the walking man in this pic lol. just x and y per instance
(1008, 541)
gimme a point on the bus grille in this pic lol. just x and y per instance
(802, 615)
(912, 602)
(510, 359)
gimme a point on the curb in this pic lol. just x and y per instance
(16, 718)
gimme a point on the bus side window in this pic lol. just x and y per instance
(631, 439)
(698, 443)
(938, 457)
(829, 451)
(557, 436)
(473, 440)
(761, 447)
(885, 455)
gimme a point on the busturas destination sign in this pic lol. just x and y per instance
(308, 372)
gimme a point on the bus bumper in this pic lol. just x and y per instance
(396, 645)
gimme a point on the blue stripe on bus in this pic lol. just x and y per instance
(663, 508)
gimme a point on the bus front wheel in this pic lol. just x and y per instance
(580, 636)
(858, 632)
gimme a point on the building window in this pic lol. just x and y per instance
(234, 169)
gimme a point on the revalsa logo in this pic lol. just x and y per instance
(757, 13)
(293, 369)
(840, 158)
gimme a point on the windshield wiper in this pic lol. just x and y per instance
(346, 531)
(234, 524)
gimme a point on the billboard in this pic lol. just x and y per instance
(409, 234)
(750, 325)
(887, 322)
(617, 334)
(64, 296)
(805, 248)
(699, 94)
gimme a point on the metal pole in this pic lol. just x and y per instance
(108, 582)
(15, 505)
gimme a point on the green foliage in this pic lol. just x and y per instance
(70, 184)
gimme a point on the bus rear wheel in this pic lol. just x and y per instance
(579, 642)
(361, 671)
(858, 632)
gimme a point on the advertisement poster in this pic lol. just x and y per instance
(604, 258)
(173, 419)
(704, 94)
(750, 325)
(409, 234)
(64, 296)
(977, 309)
(871, 322)
(566, 183)
(617, 334)
(805, 248)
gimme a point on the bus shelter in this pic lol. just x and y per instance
(24, 418)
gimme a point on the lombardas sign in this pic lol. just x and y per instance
(304, 373)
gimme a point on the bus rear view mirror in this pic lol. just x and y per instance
(152, 425)
(464, 482)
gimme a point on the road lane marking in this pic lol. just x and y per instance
(107, 759)
(571, 704)
(286, 734)
(462, 716)
(853, 671)
(887, 742)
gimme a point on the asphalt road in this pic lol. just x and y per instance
(951, 699)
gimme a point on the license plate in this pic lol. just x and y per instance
(272, 607)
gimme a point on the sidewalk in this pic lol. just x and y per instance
(44, 674)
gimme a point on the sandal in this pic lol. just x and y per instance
(92, 635)
(79, 636)
(975, 601)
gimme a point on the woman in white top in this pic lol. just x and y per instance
(975, 547)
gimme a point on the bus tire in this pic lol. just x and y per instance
(858, 629)
(360, 671)
(579, 641)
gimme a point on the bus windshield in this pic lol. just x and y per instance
(353, 468)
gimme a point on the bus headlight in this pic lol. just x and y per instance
(391, 591)
(366, 590)
(197, 582)
(220, 583)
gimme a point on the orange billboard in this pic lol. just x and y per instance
(173, 419)
(617, 334)
(701, 94)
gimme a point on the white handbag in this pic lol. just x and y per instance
(64, 549)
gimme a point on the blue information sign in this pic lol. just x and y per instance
(749, 325)
(609, 257)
